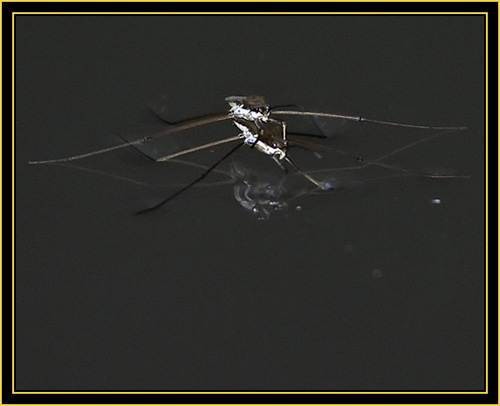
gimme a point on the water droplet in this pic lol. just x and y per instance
(436, 202)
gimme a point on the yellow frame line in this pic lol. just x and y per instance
(245, 13)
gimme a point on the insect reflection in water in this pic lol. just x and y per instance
(261, 129)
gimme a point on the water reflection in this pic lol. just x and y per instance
(261, 187)
(272, 193)
(264, 192)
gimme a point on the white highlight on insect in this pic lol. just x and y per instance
(259, 130)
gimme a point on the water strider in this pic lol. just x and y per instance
(260, 129)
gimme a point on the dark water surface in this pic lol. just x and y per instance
(373, 287)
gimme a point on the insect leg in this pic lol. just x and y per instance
(198, 179)
(305, 174)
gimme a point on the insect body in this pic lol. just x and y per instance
(252, 116)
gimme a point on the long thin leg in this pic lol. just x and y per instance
(198, 179)
(183, 127)
(288, 106)
(294, 134)
(305, 174)
(230, 177)
(306, 144)
(184, 120)
(363, 119)
(187, 151)
(198, 148)
(377, 162)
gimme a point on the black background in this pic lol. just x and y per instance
(375, 289)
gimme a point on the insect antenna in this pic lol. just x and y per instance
(194, 182)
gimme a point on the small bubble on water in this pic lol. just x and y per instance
(326, 185)
(436, 202)
(298, 208)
